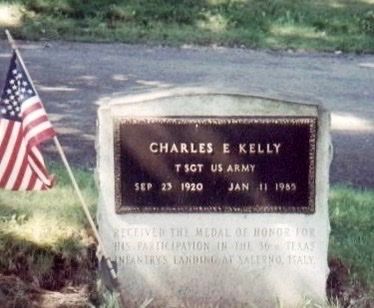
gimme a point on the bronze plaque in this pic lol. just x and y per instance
(238, 164)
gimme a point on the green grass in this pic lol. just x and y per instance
(44, 236)
(352, 232)
(327, 25)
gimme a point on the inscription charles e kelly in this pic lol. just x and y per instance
(239, 164)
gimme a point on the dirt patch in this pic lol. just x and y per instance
(16, 293)
(342, 289)
(70, 283)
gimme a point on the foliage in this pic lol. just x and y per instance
(352, 230)
(44, 237)
(322, 24)
(352, 236)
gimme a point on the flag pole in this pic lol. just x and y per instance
(70, 172)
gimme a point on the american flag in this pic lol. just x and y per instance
(23, 126)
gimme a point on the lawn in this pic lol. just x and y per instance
(46, 245)
(324, 25)
(351, 247)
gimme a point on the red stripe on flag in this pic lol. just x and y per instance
(41, 167)
(35, 123)
(32, 182)
(6, 138)
(21, 173)
(12, 160)
(42, 136)
(44, 187)
(31, 109)
(42, 119)
(21, 165)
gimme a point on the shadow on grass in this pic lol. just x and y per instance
(46, 267)
(351, 252)
(41, 244)
(44, 241)
(28, 269)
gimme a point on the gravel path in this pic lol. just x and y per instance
(73, 78)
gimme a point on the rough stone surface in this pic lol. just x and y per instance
(209, 259)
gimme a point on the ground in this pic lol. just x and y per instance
(75, 78)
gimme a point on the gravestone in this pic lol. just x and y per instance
(214, 200)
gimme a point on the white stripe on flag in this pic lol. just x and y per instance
(3, 126)
(26, 178)
(17, 166)
(39, 172)
(9, 149)
(37, 130)
(29, 102)
(33, 116)
(38, 155)
(38, 185)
